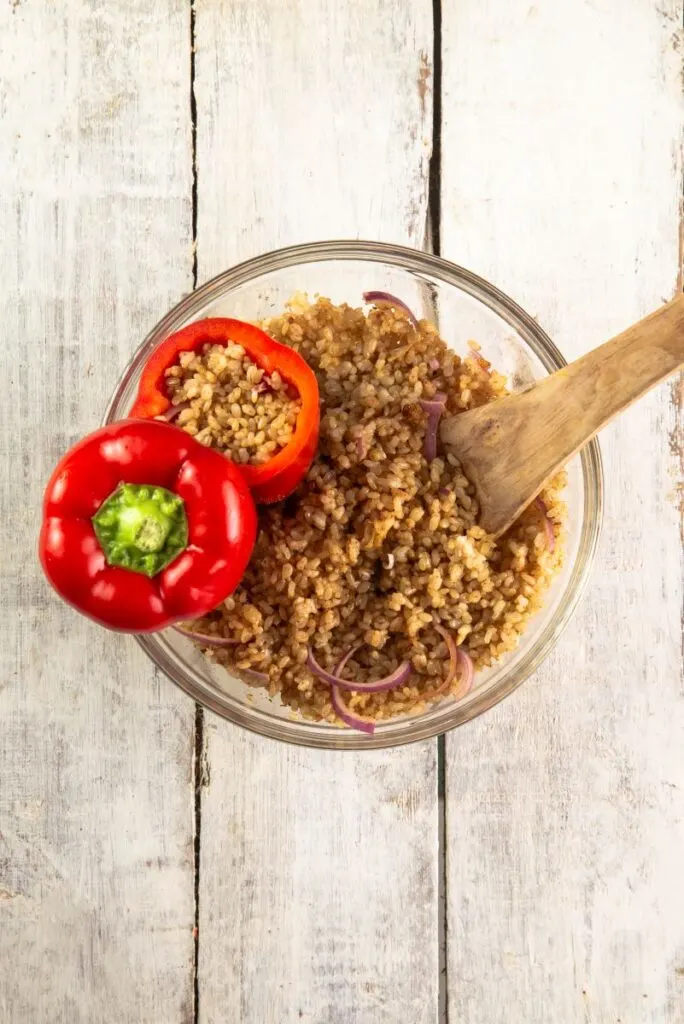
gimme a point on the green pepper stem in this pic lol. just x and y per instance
(141, 528)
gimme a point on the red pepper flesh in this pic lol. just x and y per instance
(280, 475)
(221, 520)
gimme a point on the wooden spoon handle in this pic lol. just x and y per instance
(517, 444)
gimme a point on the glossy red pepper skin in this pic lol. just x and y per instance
(278, 477)
(221, 526)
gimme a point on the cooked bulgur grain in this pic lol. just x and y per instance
(231, 404)
(378, 546)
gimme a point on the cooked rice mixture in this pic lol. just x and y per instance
(377, 545)
(232, 404)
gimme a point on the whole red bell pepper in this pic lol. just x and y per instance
(143, 526)
(278, 477)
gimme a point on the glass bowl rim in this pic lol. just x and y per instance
(408, 729)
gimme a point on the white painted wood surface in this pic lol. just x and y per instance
(561, 182)
(96, 752)
(565, 806)
(318, 870)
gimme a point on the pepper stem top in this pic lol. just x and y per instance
(141, 528)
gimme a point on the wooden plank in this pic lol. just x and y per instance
(318, 877)
(96, 751)
(565, 806)
(314, 121)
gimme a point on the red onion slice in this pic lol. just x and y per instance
(205, 638)
(174, 411)
(399, 676)
(339, 667)
(453, 665)
(459, 663)
(434, 364)
(465, 664)
(391, 300)
(251, 676)
(353, 719)
(349, 717)
(548, 525)
(453, 655)
(434, 407)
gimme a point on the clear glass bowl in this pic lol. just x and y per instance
(464, 307)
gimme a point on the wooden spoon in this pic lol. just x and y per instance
(512, 447)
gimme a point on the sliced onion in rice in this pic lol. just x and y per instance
(548, 525)
(207, 639)
(434, 364)
(174, 411)
(460, 663)
(391, 300)
(354, 719)
(397, 678)
(434, 407)
(351, 718)
(467, 668)
(251, 676)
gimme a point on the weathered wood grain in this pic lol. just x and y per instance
(314, 122)
(318, 870)
(96, 794)
(565, 805)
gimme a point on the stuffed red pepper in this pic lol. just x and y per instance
(143, 526)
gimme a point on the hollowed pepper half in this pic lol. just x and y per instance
(143, 526)
(279, 476)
